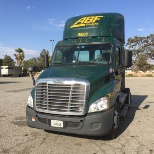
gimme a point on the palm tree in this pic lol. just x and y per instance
(19, 56)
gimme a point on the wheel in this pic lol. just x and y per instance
(113, 134)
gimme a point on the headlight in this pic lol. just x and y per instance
(99, 105)
(30, 101)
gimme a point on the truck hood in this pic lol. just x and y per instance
(90, 73)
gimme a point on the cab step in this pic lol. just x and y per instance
(122, 98)
(124, 111)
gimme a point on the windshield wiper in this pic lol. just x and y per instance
(87, 63)
(56, 63)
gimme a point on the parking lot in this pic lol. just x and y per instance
(135, 135)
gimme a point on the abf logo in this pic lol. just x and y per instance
(87, 21)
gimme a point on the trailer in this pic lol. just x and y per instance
(11, 71)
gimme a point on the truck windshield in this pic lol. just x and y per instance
(83, 54)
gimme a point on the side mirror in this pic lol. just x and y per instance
(46, 61)
(31, 69)
(128, 59)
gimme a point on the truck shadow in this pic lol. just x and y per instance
(137, 100)
(7, 82)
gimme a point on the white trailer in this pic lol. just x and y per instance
(11, 70)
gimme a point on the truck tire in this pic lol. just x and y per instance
(113, 134)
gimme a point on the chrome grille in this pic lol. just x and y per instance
(61, 96)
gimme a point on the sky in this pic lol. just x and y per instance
(31, 24)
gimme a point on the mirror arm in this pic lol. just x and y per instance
(30, 70)
(32, 78)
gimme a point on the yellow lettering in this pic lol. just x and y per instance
(79, 23)
(87, 21)
(83, 34)
(97, 18)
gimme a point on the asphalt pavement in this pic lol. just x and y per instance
(135, 134)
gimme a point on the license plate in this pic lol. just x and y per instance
(56, 123)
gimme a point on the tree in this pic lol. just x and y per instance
(143, 49)
(8, 61)
(40, 59)
(142, 64)
(1, 60)
(149, 46)
(37, 62)
(30, 62)
(19, 56)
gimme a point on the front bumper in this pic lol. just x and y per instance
(98, 124)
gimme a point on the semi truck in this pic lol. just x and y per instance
(82, 91)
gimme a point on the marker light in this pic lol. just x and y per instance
(33, 119)
(100, 105)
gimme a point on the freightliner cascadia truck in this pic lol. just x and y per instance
(82, 91)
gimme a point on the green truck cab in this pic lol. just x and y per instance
(83, 91)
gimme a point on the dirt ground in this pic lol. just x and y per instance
(135, 135)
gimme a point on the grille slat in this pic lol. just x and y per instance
(60, 98)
